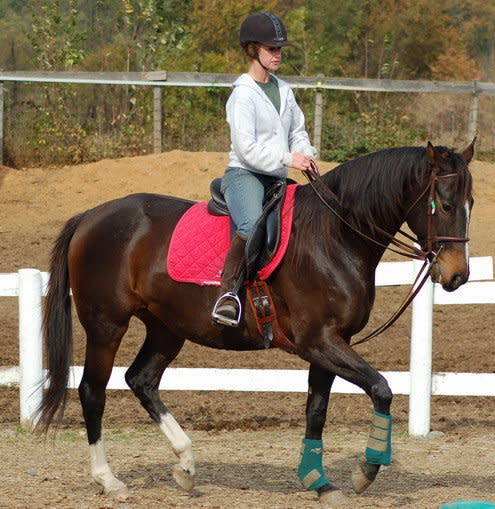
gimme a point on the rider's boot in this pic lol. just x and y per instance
(227, 309)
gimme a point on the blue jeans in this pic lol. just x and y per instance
(244, 191)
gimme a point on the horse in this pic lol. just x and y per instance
(114, 259)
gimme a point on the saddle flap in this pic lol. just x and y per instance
(263, 241)
(265, 237)
(217, 205)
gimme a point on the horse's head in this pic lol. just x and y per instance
(440, 218)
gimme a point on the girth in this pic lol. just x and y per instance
(265, 314)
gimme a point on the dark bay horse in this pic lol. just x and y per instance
(114, 258)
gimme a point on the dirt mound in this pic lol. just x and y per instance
(36, 202)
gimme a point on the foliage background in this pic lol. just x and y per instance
(383, 39)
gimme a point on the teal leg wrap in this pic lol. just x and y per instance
(379, 449)
(310, 471)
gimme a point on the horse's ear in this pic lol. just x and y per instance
(469, 151)
(431, 154)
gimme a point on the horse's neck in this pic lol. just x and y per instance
(363, 245)
(376, 222)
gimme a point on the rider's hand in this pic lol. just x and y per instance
(300, 161)
(306, 164)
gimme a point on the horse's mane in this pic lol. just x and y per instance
(372, 189)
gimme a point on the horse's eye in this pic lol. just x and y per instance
(447, 208)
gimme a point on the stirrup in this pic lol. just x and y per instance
(225, 320)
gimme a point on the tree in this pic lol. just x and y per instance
(477, 25)
(56, 35)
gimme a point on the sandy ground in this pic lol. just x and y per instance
(241, 469)
(246, 443)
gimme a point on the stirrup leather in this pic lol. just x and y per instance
(225, 320)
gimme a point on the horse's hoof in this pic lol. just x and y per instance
(333, 498)
(184, 479)
(361, 479)
(121, 493)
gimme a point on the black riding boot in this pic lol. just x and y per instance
(227, 309)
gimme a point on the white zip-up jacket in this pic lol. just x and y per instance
(262, 140)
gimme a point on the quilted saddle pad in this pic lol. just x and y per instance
(200, 242)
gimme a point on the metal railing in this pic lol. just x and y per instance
(160, 79)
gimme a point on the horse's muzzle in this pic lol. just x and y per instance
(450, 281)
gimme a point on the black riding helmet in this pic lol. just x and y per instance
(265, 28)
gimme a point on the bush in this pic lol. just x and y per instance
(383, 124)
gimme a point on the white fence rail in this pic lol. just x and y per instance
(29, 285)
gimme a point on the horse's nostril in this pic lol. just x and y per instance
(458, 280)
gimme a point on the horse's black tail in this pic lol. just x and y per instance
(57, 330)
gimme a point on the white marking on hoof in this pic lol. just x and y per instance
(184, 472)
(333, 498)
(359, 481)
(103, 475)
(121, 493)
(184, 479)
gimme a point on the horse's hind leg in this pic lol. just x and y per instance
(159, 349)
(102, 345)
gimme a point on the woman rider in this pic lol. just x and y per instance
(268, 136)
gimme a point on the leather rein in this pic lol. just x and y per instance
(428, 254)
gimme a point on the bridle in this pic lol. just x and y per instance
(427, 254)
(432, 236)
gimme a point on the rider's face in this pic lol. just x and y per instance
(270, 57)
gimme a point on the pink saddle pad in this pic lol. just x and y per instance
(200, 243)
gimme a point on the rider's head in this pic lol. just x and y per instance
(262, 28)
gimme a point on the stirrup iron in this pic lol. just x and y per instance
(224, 320)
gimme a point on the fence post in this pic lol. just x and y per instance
(157, 120)
(420, 359)
(473, 113)
(318, 120)
(30, 345)
(1, 123)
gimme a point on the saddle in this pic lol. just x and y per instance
(265, 237)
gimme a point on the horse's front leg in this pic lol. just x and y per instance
(332, 354)
(310, 471)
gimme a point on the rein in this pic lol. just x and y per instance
(428, 255)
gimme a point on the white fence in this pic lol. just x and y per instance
(29, 285)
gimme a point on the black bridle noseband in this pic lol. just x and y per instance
(427, 254)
